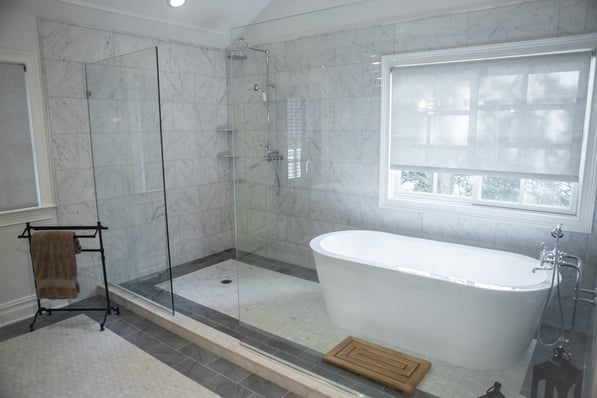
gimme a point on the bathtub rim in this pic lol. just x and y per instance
(315, 245)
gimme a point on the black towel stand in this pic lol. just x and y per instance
(26, 234)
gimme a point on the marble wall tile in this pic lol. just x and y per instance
(75, 186)
(456, 229)
(363, 45)
(250, 195)
(335, 207)
(64, 79)
(517, 22)
(71, 151)
(125, 44)
(577, 16)
(191, 60)
(75, 43)
(214, 195)
(68, 115)
(431, 33)
(180, 145)
(84, 213)
(177, 87)
(341, 145)
(290, 201)
(183, 201)
(356, 113)
(209, 90)
(309, 52)
(193, 172)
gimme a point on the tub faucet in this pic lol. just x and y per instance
(551, 258)
(547, 259)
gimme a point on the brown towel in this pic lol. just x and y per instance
(54, 264)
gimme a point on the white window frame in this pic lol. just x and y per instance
(43, 167)
(581, 221)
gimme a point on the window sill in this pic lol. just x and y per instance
(22, 216)
(575, 223)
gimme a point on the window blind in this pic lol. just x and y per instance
(522, 116)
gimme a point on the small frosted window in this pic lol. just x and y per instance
(18, 182)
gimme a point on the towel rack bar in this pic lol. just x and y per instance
(26, 234)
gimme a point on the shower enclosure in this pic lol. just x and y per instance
(315, 100)
(126, 139)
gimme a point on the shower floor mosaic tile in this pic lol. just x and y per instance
(293, 309)
(61, 355)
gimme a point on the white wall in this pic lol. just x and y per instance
(17, 293)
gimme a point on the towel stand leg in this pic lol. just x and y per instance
(38, 312)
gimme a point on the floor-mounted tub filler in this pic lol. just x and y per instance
(473, 307)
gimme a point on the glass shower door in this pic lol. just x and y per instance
(126, 139)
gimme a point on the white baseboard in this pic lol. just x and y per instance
(22, 308)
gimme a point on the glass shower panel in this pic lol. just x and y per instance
(126, 138)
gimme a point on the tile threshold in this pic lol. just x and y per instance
(230, 348)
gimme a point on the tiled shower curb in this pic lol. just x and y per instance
(231, 349)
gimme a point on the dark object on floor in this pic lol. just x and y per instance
(494, 391)
(392, 368)
(559, 375)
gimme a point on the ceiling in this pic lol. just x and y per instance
(210, 22)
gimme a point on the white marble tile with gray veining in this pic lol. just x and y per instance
(193, 172)
(111, 149)
(210, 143)
(356, 178)
(177, 87)
(456, 229)
(214, 195)
(577, 16)
(71, 151)
(356, 113)
(290, 201)
(75, 186)
(363, 45)
(78, 214)
(341, 145)
(183, 201)
(319, 50)
(64, 79)
(191, 59)
(209, 90)
(126, 44)
(68, 115)
(75, 43)
(431, 33)
(180, 145)
(108, 116)
(112, 181)
(525, 21)
(335, 207)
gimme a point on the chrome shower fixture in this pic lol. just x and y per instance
(237, 53)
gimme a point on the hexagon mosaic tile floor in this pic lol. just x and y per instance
(72, 358)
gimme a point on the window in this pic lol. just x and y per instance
(25, 185)
(501, 132)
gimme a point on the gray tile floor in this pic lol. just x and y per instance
(215, 373)
(291, 352)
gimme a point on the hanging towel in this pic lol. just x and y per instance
(54, 264)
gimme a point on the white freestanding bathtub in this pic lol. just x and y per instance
(473, 307)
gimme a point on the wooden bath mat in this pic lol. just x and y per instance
(392, 368)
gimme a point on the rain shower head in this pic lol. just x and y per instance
(238, 51)
(237, 55)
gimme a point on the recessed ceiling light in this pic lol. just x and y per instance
(176, 3)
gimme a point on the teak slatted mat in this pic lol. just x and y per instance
(392, 368)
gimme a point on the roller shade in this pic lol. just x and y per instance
(522, 116)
